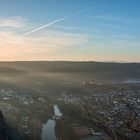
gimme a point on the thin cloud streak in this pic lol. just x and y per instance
(62, 19)
(56, 21)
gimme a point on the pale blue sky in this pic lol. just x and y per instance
(109, 31)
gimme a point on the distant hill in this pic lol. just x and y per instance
(68, 66)
(63, 70)
(9, 70)
(130, 69)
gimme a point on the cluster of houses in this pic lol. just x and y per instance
(91, 82)
(108, 105)
(22, 103)
(20, 96)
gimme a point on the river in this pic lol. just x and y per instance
(48, 129)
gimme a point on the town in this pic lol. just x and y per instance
(91, 110)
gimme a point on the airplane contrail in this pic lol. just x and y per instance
(58, 20)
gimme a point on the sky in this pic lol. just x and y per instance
(70, 30)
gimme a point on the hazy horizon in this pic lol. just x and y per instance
(71, 61)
